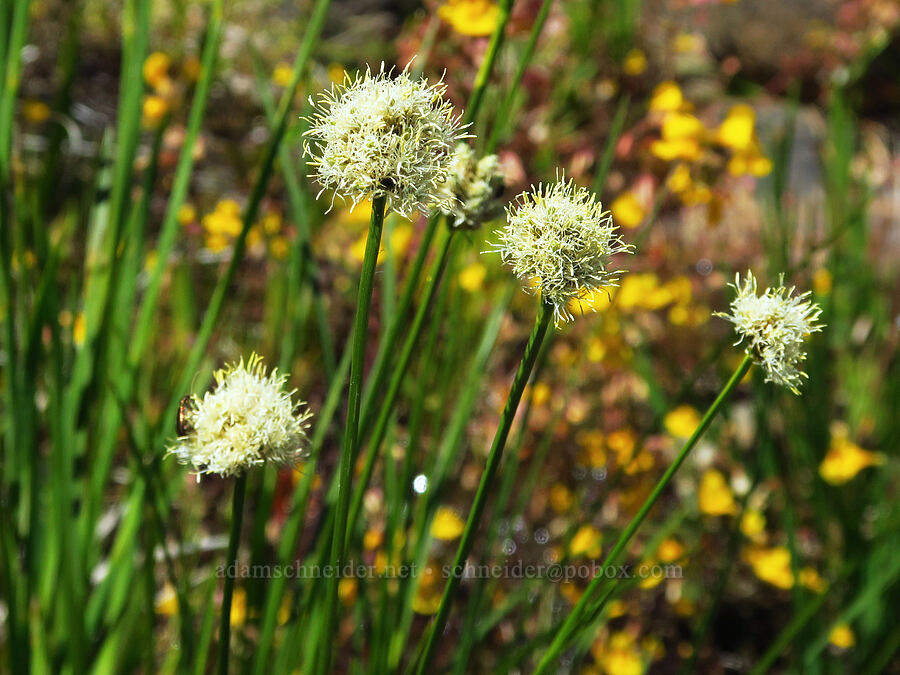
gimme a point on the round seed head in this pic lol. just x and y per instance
(248, 419)
(384, 135)
(472, 188)
(775, 325)
(559, 239)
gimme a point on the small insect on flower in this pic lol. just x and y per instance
(248, 419)
(185, 407)
(775, 326)
(384, 135)
(559, 236)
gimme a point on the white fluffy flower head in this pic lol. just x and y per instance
(775, 326)
(384, 135)
(559, 236)
(472, 188)
(247, 419)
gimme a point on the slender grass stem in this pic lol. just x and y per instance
(237, 516)
(582, 608)
(351, 430)
(397, 375)
(542, 321)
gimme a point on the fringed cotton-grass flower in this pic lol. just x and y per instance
(471, 188)
(775, 326)
(384, 135)
(247, 419)
(559, 236)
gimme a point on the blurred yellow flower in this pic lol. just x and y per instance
(715, 497)
(622, 442)
(561, 498)
(282, 74)
(587, 541)
(753, 525)
(841, 636)
(167, 601)
(279, 248)
(621, 656)
(156, 69)
(772, 565)
(271, 222)
(635, 62)
(688, 43)
(154, 110)
(447, 525)
(627, 210)
(680, 179)
(427, 598)
(737, 129)
(475, 18)
(811, 579)
(751, 163)
(187, 214)
(471, 277)
(682, 134)
(35, 111)
(79, 329)
(372, 539)
(666, 97)
(669, 550)
(540, 394)
(845, 459)
(347, 590)
(238, 607)
(821, 281)
(682, 421)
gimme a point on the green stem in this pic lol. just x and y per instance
(573, 621)
(542, 321)
(487, 65)
(398, 373)
(237, 515)
(351, 429)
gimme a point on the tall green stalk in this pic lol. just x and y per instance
(584, 607)
(398, 373)
(237, 516)
(541, 323)
(351, 429)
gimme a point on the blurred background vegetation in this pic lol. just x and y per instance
(157, 222)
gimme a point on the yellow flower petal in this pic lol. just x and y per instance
(682, 421)
(666, 97)
(475, 18)
(715, 497)
(627, 210)
(447, 525)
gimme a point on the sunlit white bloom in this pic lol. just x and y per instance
(247, 419)
(559, 237)
(775, 326)
(384, 135)
(472, 187)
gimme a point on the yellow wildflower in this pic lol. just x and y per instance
(844, 460)
(282, 74)
(35, 111)
(811, 579)
(587, 541)
(79, 330)
(156, 69)
(737, 129)
(680, 179)
(475, 18)
(279, 248)
(635, 62)
(682, 421)
(187, 214)
(669, 550)
(621, 657)
(753, 525)
(772, 565)
(841, 636)
(715, 497)
(167, 601)
(238, 607)
(154, 110)
(561, 498)
(627, 210)
(447, 525)
(666, 97)
(821, 281)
